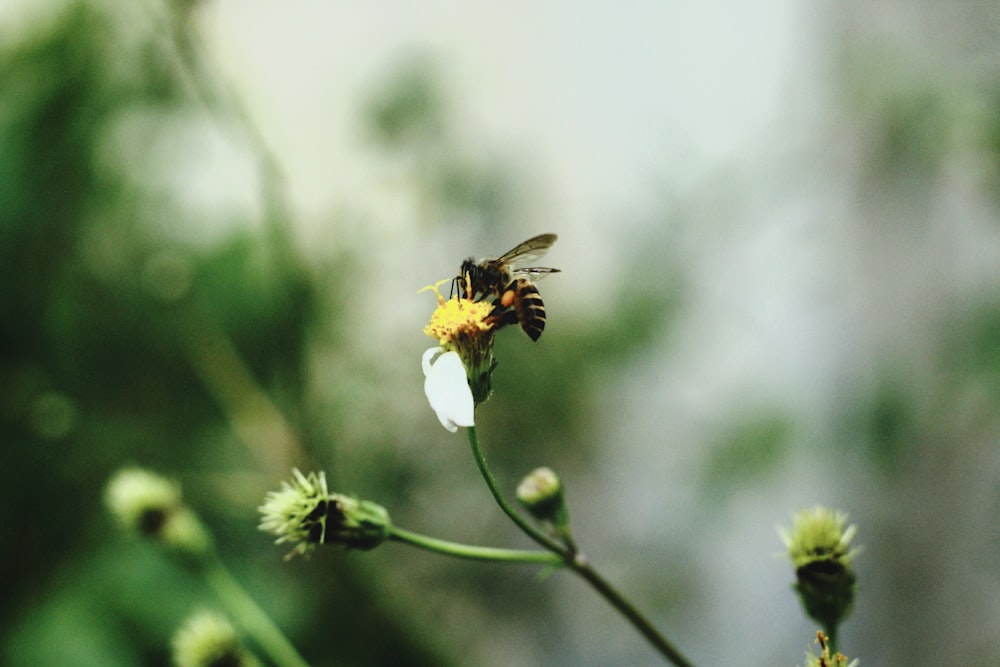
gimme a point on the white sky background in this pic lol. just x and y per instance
(600, 101)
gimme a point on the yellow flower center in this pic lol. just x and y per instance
(458, 318)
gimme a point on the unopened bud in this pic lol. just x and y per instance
(819, 548)
(152, 505)
(541, 493)
(207, 639)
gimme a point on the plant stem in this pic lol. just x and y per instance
(577, 562)
(475, 552)
(581, 566)
(515, 516)
(831, 638)
(249, 615)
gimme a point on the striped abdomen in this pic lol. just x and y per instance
(528, 308)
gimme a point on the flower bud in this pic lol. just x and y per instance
(355, 523)
(306, 513)
(541, 493)
(152, 505)
(207, 639)
(819, 548)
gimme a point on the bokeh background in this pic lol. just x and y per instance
(781, 286)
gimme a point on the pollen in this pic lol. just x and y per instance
(457, 318)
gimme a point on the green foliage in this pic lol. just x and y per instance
(409, 120)
(750, 451)
(409, 109)
(912, 133)
(107, 320)
(973, 349)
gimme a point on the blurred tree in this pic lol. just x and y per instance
(125, 339)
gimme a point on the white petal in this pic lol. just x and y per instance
(428, 356)
(448, 390)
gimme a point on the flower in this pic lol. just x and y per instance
(466, 328)
(447, 388)
(819, 548)
(141, 500)
(305, 512)
(458, 321)
(207, 639)
(152, 505)
(819, 534)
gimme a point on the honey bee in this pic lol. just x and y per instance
(508, 284)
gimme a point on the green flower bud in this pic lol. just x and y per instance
(207, 639)
(819, 548)
(541, 493)
(152, 505)
(307, 514)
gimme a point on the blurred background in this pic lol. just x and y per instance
(780, 249)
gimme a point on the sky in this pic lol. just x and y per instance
(601, 104)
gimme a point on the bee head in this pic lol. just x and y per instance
(462, 283)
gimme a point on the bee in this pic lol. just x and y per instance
(508, 284)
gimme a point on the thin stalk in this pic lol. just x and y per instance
(472, 552)
(250, 616)
(831, 638)
(529, 529)
(577, 562)
(581, 566)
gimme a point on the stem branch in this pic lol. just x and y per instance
(581, 566)
(577, 562)
(529, 529)
(475, 552)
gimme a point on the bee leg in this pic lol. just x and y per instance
(467, 283)
(502, 315)
(507, 317)
(498, 307)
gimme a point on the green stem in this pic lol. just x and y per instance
(250, 616)
(529, 529)
(831, 638)
(577, 562)
(581, 566)
(475, 552)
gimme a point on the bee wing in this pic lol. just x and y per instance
(529, 251)
(533, 273)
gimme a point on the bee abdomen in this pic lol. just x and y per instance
(530, 309)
